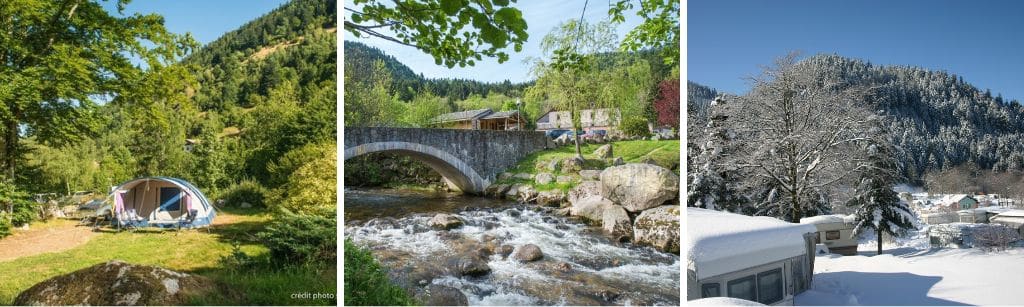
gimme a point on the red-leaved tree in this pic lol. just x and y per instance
(667, 104)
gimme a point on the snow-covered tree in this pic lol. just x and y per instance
(879, 207)
(800, 123)
(712, 183)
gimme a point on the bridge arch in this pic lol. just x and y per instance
(456, 172)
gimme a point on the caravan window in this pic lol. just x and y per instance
(769, 286)
(710, 290)
(832, 235)
(743, 288)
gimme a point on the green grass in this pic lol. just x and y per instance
(366, 282)
(192, 251)
(664, 153)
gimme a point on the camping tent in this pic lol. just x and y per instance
(160, 202)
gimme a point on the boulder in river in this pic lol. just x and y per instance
(638, 186)
(504, 250)
(527, 193)
(445, 221)
(440, 295)
(117, 283)
(590, 174)
(545, 178)
(527, 253)
(604, 152)
(590, 208)
(584, 190)
(616, 222)
(552, 198)
(658, 227)
(513, 191)
(472, 265)
(496, 190)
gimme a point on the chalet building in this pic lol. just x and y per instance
(958, 202)
(590, 119)
(482, 119)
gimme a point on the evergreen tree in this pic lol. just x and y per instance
(879, 208)
(711, 184)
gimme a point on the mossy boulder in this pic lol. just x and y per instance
(637, 186)
(117, 283)
(658, 227)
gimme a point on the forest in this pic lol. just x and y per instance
(249, 118)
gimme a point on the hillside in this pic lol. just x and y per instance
(938, 120)
(407, 83)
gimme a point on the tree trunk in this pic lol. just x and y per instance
(878, 233)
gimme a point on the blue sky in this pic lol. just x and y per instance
(541, 16)
(205, 19)
(983, 41)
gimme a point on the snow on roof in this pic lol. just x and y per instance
(824, 219)
(1012, 212)
(721, 242)
(722, 301)
(955, 198)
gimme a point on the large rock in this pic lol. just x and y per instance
(604, 152)
(472, 266)
(496, 190)
(523, 176)
(527, 193)
(583, 190)
(591, 208)
(445, 221)
(563, 179)
(513, 191)
(545, 178)
(505, 175)
(572, 165)
(616, 222)
(440, 295)
(638, 186)
(527, 253)
(658, 227)
(552, 198)
(117, 283)
(590, 174)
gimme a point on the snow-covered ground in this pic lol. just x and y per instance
(911, 273)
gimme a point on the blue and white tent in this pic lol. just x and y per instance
(161, 202)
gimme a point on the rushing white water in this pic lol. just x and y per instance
(580, 265)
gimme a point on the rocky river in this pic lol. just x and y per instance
(481, 261)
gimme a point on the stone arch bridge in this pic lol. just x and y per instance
(469, 160)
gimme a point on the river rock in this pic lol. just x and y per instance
(527, 193)
(658, 227)
(524, 176)
(553, 165)
(616, 222)
(117, 283)
(545, 178)
(472, 266)
(552, 198)
(440, 295)
(572, 165)
(504, 250)
(604, 152)
(527, 253)
(513, 191)
(638, 186)
(584, 189)
(590, 174)
(590, 208)
(562, 211)
(496, 190)
(445, 221)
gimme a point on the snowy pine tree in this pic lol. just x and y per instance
(711, 184)
(879, 208)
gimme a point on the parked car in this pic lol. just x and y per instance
(595, 133)
(554, 134)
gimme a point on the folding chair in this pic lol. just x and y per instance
(189, 219)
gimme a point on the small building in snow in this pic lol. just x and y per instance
(1010, 218)
(958, 202)
(835, 231)
(760, 259)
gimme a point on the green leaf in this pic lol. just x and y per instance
(451, 7)
(501, 2)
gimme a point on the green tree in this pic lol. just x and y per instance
(58, 57)
(659, 29)
(879, 208)
(454, 32)
(371, 103)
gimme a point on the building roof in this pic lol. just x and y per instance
(722, 242)
(461, 116)
(825, 219)
(956, 198)
(505, 114)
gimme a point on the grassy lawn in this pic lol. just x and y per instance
(193, 251)
(664, 153)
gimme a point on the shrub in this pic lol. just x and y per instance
(312, 188)
(634, 126)
(301, 239)
(994, 237)
(246, 191)
(5, 224)
(281, 169)
(367, 283)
